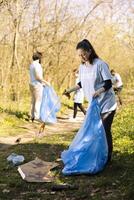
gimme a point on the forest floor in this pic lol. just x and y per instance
(115, 182)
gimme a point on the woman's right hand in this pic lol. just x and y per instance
(46, 83)
(67, 94)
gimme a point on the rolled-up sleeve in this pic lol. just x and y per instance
(105, 72)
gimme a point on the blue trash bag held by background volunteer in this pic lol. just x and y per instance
(88, 151)
(50, 105)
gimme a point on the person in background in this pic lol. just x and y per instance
(117, 84)
(36, 85)
(78, 97)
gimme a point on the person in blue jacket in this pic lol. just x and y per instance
(95, 80)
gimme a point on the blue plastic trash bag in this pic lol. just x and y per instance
(50, 105)
(88, 151)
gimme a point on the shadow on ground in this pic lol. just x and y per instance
(115, 182)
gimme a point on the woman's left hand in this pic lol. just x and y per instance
(98, 92)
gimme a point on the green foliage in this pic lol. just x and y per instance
(123, 129)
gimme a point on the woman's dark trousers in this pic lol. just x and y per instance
(107, 119)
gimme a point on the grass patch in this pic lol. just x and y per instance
(115, 182)
(123, 130)
(10, 125)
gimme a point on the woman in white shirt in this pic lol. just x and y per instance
(95, 80)
(78, 97)
(36, 85)
(117, 84)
